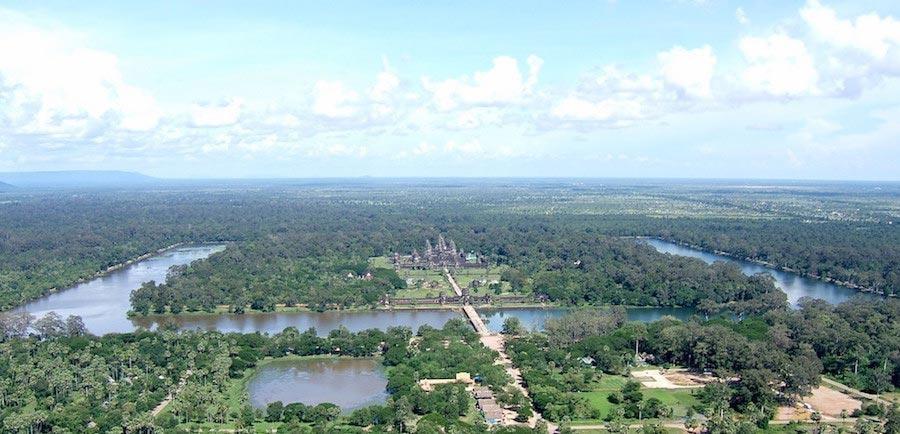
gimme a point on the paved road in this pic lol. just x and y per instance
(497, 342)
(453, 283)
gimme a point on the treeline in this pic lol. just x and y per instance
(262, 275)
(56, 378)
(867, 255)
(764, 359)
(51, 240)
(564, 262)
(577, 268)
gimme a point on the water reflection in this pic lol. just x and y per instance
(533, 319)
(349, 383)
(794, 285)
(104, 302)
(323, 322)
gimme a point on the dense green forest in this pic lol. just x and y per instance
(52, 239)
(54, 377)
(569, 267)
(767, 358)
(58, 379)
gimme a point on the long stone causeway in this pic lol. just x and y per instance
(496, 342)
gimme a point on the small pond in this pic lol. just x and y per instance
(348, 382)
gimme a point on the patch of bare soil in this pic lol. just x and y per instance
(830, 402)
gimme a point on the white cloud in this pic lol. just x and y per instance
(472, 147)
(216, 115)
(53, 83)
(611, 109)
(614, 98)
(338, 150)
(858, 53)
(333, 100)
(459, 150)
(535, 64)
(502, 84)
(741, 16)
(871, 34)
(779, 65)
(689, 70)
(386, 83)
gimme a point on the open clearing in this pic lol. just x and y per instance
(670, 379)
(679, 399)
(828, 402)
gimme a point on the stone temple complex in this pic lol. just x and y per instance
(443, 254)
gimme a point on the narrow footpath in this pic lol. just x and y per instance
(170, 397)
(497, 342)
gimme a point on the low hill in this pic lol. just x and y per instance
(5, 187)
(76, 178)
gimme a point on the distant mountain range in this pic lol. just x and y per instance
(75, 178)
(4, 186)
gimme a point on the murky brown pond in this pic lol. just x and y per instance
(349, 383)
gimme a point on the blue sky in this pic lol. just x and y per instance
(672, 88)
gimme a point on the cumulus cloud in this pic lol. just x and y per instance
(858, 52)
(690, 71)
(779, 65)
(334, 100)
(613, 98)
(216, 115)
(386, 83)
(53, 83)
(869, 34)
(502, 84)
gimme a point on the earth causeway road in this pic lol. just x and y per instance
(496, 342)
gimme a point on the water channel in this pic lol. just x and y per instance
(793, 284)
(103, 302)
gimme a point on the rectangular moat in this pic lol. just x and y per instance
(103, 302)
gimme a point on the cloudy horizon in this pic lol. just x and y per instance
(674, 89)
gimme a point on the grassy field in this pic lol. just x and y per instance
(432, 283)
(678, 399)
(465, 276)
(424, 283)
